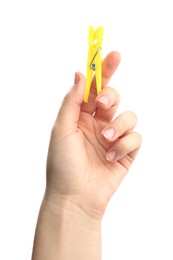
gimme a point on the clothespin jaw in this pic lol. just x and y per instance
(94, 62)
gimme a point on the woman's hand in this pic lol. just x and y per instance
(90, 149)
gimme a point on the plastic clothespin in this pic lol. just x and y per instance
(94, 63)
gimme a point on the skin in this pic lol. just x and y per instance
(90, 153)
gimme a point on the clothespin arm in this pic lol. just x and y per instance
(94, 62)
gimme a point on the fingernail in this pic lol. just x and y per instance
(104, 99)
(110, 156)
(109, 133)
(77, 78)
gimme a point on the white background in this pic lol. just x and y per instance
(42, 44)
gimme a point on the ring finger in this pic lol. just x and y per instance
(124, 146)
(119, 126)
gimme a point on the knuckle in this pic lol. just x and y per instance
(115, 96)
(135, 140)
(129, 117)
(138, 138)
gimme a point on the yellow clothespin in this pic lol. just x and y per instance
(94, 63)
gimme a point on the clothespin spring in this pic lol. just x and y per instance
(92, 64)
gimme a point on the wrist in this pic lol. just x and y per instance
(90, 205)
(69, 208)
(64, 231)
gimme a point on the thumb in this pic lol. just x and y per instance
(69, 112)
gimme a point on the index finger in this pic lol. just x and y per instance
(109, 66)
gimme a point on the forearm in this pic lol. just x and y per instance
(65, 232)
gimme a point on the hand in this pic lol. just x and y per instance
(90, 150)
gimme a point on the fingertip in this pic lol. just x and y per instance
(111, 156)
(109, 66)
(113, 59)
(107, 98)
(78, 78)
(103, 101)
(79, 86)
(115, 55)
